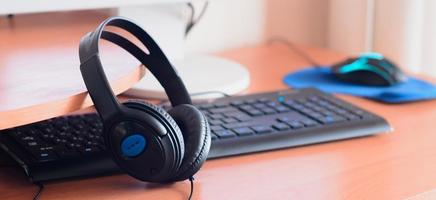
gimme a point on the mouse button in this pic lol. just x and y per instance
(372, 55)
(339, 65)
(364, 77)
(354, 66)
(382, 65)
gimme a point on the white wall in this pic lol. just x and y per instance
(347, 26)
(227, 24)
(234, 23)
(398, 31)
(428, 61)
(300, 21)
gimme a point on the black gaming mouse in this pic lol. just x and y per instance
(371, 69)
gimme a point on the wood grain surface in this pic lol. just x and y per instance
(39, 66)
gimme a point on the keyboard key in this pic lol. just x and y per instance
(309, 104)
(317, 108)
(324, 103)
(262, 129)
(295, 124)
(215, 122)
(268, 111)
(216, 116)
(46, 148)
(45, 156)
(315, 115)
(259, 105)
(309, 123)
(254, 112)
(232, 114)
(264, 99)
(301, 100)
(32, 144)
(307, 110)
(326, 112)
(281, 126)
(351, 117)
(331, 119)
(273, 104)
(341, 111)
(246, 107)
(295, 106)
(238, 115)
(250, 101)
(230, 120)
(313, 98)
(222, 110)
(216, 128)
(243, 131)
(89, 150)
(282, 109)
(240, 124)
(236, 103)
(330, 107)
(225, 134)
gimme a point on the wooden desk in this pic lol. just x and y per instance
(390, 166)
(39, 66)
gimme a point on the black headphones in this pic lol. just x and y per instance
(145, 141)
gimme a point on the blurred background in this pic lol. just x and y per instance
(400, 29)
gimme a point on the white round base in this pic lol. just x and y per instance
(200, 74)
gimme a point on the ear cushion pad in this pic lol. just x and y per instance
(196, 133)
(178, 140)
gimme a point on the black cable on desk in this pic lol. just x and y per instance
(192, 20)
(292, 47)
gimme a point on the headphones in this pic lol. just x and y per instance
(144, 140)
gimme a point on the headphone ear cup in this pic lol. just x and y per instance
(196, 133)
(176, 136)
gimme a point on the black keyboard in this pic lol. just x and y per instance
(72, 146)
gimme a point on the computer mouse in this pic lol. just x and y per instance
(371, 69)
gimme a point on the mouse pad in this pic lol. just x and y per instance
(410, 90)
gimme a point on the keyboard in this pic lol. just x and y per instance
(73, 146)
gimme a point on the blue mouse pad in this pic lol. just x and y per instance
(410, 90)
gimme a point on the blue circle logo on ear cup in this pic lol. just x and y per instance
(133, 145)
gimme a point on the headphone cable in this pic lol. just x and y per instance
(191, 179)
(38, 193)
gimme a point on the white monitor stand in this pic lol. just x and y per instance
(200, 73)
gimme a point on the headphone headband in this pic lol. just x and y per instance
(156, 61)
